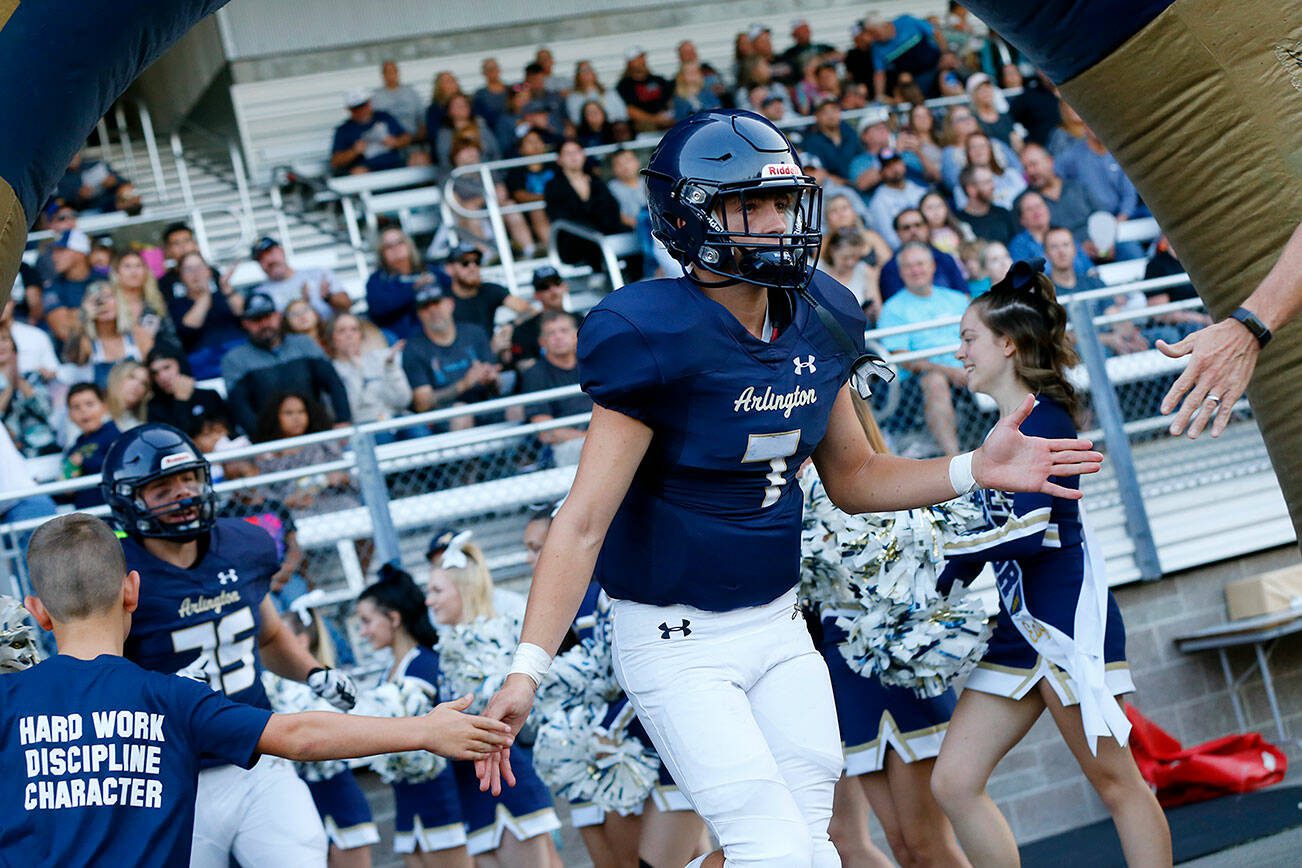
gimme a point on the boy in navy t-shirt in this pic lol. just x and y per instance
(99, 758)
(85, 455)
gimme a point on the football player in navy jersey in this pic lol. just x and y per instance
(205, 606)
(710, 391)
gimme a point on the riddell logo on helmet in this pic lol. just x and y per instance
(780, 170)
(175, 459)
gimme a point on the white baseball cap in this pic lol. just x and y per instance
(356, 98)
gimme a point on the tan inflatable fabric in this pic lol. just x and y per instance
(13, 235)
(1203, 109)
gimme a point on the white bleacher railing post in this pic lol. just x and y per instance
(247, 226)
(182, 173)
(499, 228)
(1107, 409)
(124, 137)
(151, 148)
(105, 145)
(376, 497)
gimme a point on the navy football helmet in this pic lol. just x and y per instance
(150, 452)
(717, 154)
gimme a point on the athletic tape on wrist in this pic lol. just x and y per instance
(532, 661)
(960, 474)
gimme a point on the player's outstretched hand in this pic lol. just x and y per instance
(1011, 461)
(334, 687)
(510, 704)
(457, 735)
(1222, 358)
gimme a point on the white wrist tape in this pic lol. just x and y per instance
(532, 661)
(960, 474)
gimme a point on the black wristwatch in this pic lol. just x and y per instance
(1254, 325)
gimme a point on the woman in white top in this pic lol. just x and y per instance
(372, 374)
(588, 87)
(845, 260)
(127, 394)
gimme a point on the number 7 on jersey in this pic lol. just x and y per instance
(775, 449)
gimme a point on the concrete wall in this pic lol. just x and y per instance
(176, 81)
(1039, 786)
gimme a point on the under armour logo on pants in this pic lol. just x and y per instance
(665, 629)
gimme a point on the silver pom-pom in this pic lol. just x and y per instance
(582, 676)
(581, 760)
(880, 571)
(19, 649)
(291, 697)
(403, 698)
(476, 656)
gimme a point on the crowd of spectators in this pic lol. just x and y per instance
(924, 207)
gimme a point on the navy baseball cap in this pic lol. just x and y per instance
(430, 294)
(546, 276)
(465, 249)
(257, 305)
(439, 542)
(262, 245)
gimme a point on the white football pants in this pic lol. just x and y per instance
(739, 705)
(264, 816)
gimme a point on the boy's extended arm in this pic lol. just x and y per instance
(311, 736)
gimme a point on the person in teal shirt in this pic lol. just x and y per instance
(937, 375)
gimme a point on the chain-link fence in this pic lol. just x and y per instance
(357, 497)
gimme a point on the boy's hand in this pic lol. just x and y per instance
(457, 735)
(334, 687)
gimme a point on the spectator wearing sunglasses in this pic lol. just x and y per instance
(476, 301)
(911, 226)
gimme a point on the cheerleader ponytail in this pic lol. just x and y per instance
(397, 591)
(1024, 308)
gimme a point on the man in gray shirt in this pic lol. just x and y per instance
(400, 100)
(285, 283)
(271, 364)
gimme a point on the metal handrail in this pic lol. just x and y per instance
(608, 258)
(247, 226)
(124, 139)
(445, 414)
(182, 171)
(151, 148)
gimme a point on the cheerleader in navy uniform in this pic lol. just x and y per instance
(665, 831)
(891, 737)
(428, 823)
(514, 827)
(1059, 642)
(710, 391)
(339, 800)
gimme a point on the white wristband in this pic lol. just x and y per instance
(532, 661)
(960, 474)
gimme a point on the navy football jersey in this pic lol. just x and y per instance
(712, 517)
(211, 609)
(99, 761)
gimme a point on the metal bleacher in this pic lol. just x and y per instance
(288, 121)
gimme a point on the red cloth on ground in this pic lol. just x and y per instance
(1236, 763)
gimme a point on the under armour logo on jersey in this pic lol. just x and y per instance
(666, 630)
(227, 577)
(805, 367)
